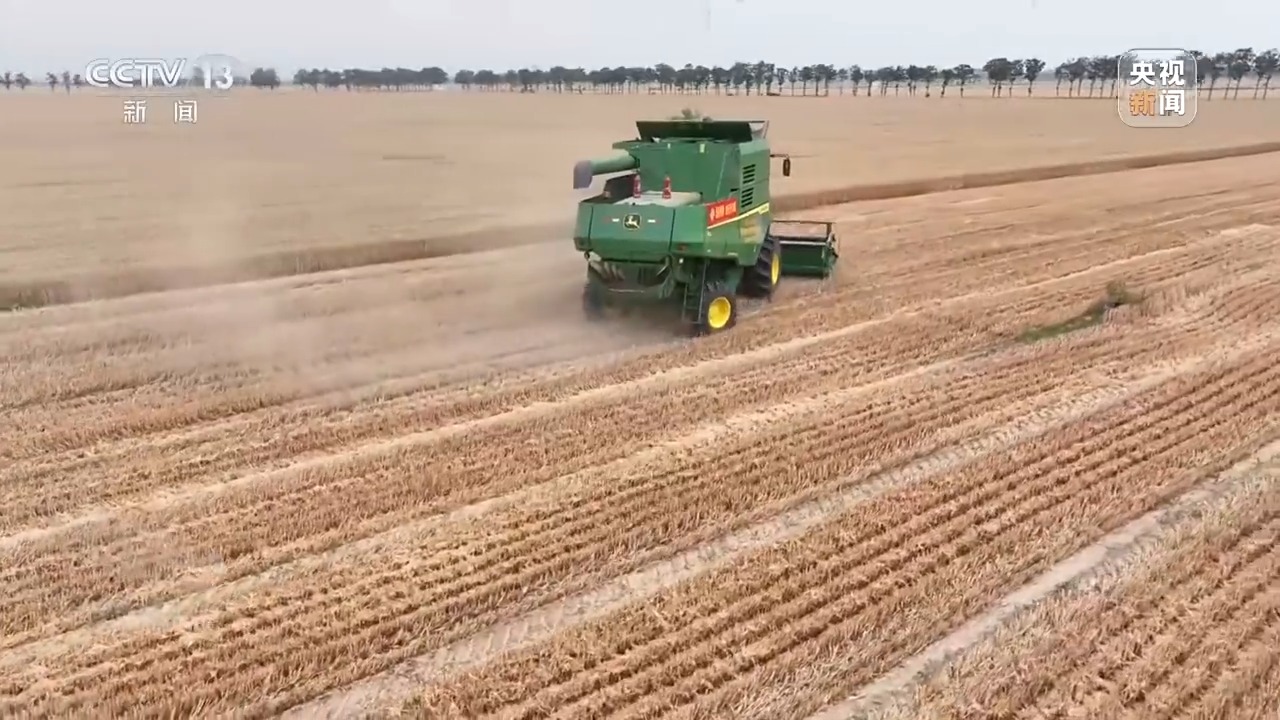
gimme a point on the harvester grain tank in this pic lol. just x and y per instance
(689, 222)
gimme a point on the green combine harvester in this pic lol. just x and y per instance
(689, 222)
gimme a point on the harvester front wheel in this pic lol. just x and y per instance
(762, 278)
(719, 310)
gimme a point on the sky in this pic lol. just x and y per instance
(41, 35)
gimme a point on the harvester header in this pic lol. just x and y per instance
(690, 220)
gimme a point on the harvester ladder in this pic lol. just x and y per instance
(692, 307)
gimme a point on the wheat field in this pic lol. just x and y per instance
(946, 482)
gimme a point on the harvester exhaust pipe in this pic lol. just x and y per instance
(666, 188)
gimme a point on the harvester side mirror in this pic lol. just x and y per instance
(786, 167)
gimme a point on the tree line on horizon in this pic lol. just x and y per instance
(759, 78)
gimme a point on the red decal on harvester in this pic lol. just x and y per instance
(722, 210)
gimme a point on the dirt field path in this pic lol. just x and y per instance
(431, 488)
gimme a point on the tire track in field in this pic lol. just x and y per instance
(187, 318)
(1112, 557)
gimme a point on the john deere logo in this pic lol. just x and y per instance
(631, 222)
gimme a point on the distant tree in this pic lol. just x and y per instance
(1094, 69)
(827, 73)
(759, 77)
(948, 77)
(915, 75)
(264, 78)
(307, 78)
(1113, 72)
(1076, 71)
(930, 77)
(21, 80)
(52, 80)
(884, 76)
(1240, 64)
(806, 77)
(1032, 67)
(1202, 67)
(6, 80)
(1216, 66)
(433, 76)
(1264, 66)
(856, 76)
(1018, 70)
(964, 75)
(464, 79)
(999, 73)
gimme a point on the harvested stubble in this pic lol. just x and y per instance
(283, 517)
(815, 618)
(1191, 631)
(281, 581)
(464, 588)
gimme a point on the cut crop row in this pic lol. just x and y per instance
(944, 549)
(1085, 634)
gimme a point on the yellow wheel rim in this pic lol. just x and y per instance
(719, 312)
(775, 269)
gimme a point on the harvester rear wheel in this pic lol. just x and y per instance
(592, 301)
(762, 278)
(719, 309)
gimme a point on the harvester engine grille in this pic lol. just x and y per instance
(747, 197)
